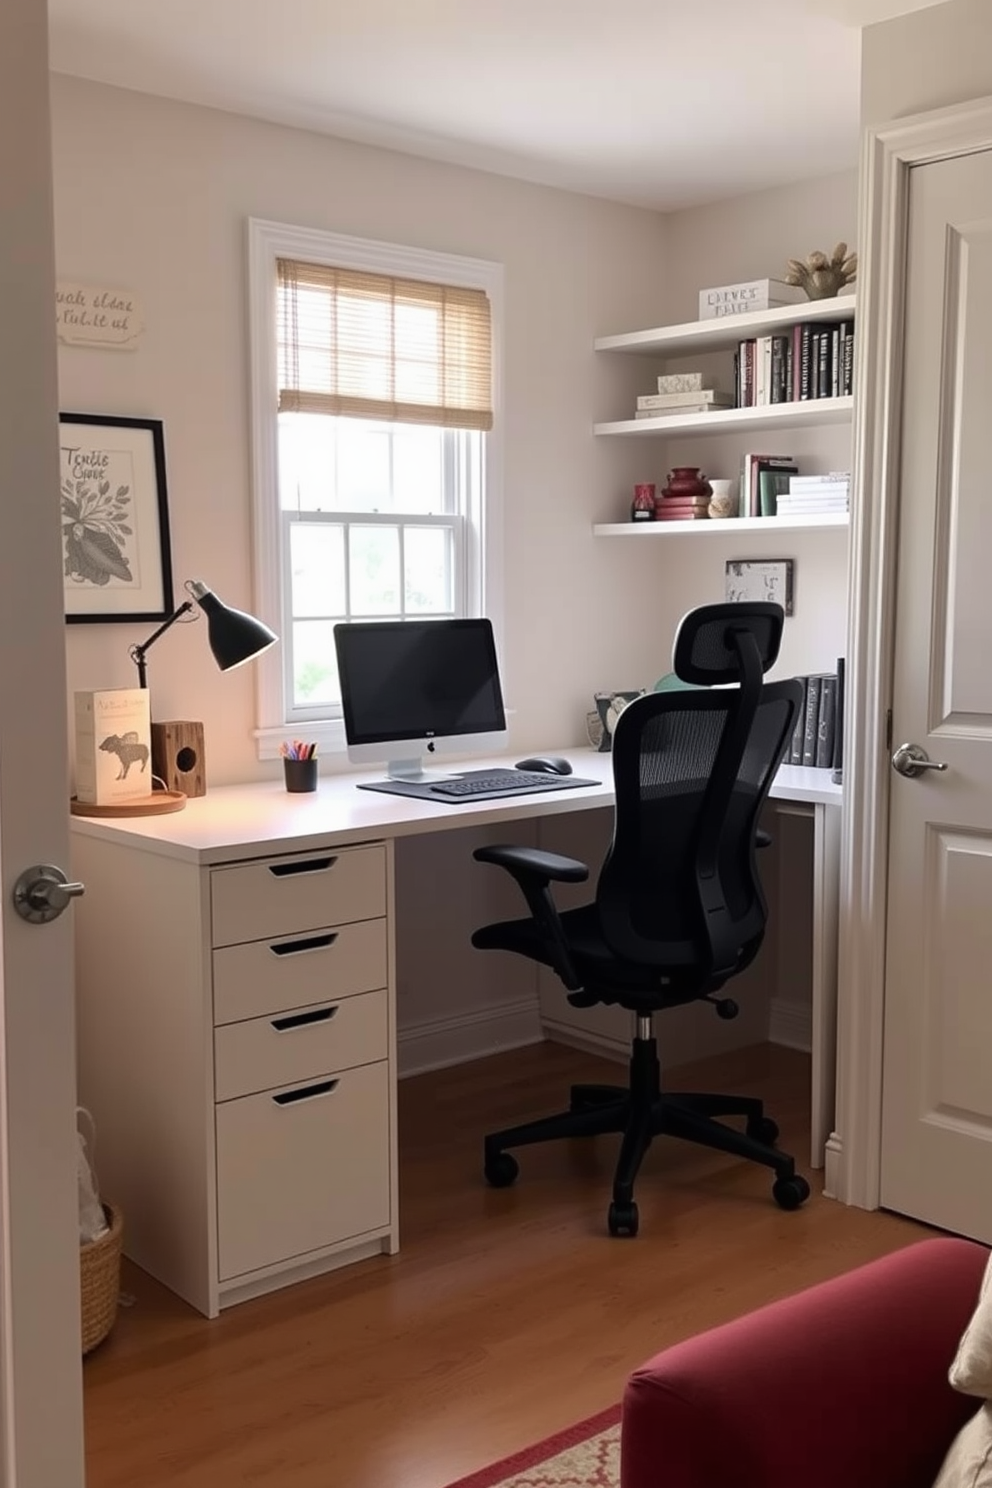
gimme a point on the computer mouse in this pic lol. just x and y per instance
(546, 764)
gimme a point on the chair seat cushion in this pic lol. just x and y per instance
(604, 977)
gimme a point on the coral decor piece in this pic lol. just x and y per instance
(820, 277)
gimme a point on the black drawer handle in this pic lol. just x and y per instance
(309, 1092)
(309, 943)
(310, 865)
(303, 1020)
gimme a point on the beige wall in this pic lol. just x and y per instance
(153, 196)
(931, 59)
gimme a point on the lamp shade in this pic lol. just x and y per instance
(234, 636)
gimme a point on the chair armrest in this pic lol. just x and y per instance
(532, 862)
(535, 871)
(842, 1384)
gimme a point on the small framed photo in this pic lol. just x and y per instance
(768, 579)
(117, 561)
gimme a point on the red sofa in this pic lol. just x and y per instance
(841, 1386)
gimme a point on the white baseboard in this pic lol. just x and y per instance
(790, 1024)
(438, 1042)
(833, 1177)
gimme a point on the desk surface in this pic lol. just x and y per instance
(234, 821)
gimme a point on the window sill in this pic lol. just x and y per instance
(328, 735)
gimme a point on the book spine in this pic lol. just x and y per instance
(796, 746)
(812, 717)
(835, 361)
(823, 362)
(826, 723)
(805, 354)
(847, 384)
(838, 759)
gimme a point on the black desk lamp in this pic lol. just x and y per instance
(234, 637)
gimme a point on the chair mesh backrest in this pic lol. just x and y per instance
(650, 896)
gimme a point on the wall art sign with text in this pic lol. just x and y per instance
(88, 315)
(115, 521)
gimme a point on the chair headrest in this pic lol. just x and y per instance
(705, 650)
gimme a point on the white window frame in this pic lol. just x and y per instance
(483, 574)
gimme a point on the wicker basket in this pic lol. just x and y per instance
(100, 1274)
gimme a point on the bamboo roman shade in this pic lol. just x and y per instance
(374, 346)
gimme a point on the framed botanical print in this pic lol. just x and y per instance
(117, 563)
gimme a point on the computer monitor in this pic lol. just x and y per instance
(415, 686)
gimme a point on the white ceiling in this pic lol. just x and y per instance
(663, 103)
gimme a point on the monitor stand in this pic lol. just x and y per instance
(412, 772)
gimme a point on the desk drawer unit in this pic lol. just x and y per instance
(301, 1055)
(236, 1045)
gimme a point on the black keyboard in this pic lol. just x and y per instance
(475, 783)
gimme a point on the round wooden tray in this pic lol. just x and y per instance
(154, 805)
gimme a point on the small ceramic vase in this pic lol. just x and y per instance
(723, 502)
(687, 480)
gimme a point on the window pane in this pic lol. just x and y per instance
(428, 570)
(317, 557)
(374, 557)
(315, 667)
(306, 462)
(418, 469)
(363, 466)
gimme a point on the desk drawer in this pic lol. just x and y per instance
(282, 896)
(273, 976)
(301, 1169)
(266, 1052)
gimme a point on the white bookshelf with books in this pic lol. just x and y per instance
(783, 370)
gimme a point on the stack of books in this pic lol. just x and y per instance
(816, 738)
(807, 494)
(682, 508)
(682, 392)
(764, 480)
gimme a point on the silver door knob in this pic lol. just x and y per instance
(912, 759)
(43, 892)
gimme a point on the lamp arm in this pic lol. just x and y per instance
(137, 653)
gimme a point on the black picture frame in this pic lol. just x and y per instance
(116, 550)
(761, 579)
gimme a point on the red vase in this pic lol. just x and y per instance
(687, 481)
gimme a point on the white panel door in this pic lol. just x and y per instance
(936, 1159)
(40, 1368)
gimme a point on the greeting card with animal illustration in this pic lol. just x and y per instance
(113, 746)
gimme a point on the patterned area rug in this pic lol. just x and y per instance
(584, 1456)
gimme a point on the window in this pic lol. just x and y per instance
(375, 494)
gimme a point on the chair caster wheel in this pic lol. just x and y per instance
(763, 1129)
(502, 1170)
(727, 1008)
(790, 1193)
(622, 1219)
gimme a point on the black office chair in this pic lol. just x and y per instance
(679, 907)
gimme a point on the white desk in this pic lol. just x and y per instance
(237, 1015)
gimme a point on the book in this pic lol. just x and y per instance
(700, 397)
(660, 413)
(751, 467)
(826, 723)
(751, 294)
(685, 382)
(113, 746)
(771, 483)
(796, 743)
(811, 720)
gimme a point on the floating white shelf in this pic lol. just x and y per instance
(728, 527)
(714, 335)
(726, 420)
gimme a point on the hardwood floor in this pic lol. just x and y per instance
(506, 1315)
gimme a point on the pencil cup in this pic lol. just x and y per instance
(301, 774)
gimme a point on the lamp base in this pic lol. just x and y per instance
(178, 756)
